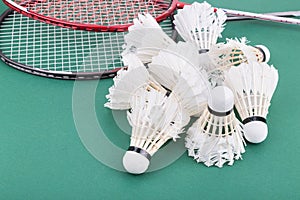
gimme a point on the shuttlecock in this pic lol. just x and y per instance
(200, 24)
(253, 85)
(216, 137)
(146, 32)
(235, 52)
(155, 118)
(128, 81)
(180, 75)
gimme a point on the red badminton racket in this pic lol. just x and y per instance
(109, 15)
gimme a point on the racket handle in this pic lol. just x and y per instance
(262, 17)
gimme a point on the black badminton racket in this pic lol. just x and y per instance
(55, 52)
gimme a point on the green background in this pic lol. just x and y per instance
(42, 157)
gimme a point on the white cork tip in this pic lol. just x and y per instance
(255, 131)
(221, 100)
(135, 163)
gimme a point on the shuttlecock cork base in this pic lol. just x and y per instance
(221, 101)
(136, 160)
(265, 52)
(254, 125)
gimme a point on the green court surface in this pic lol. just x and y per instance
(42, 121)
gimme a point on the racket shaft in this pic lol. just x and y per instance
(281, 14)
(262, 17)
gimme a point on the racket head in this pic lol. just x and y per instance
(90, 15)
(51, 51)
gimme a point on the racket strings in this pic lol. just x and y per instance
(106, 13)
(56, 49)
(45, 47)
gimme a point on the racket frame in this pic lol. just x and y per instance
(83, 26)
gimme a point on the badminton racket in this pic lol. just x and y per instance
(109, 15)
(51, 51)
(41, 49)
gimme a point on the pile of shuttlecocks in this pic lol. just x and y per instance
(166, 83)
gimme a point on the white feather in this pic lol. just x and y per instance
(155, 118)
(223, 56)
(215, 140)
(127, 82)
(253, 85)
(187, 82)
(198, 23)
(187, 50)
(214, 148)
(233, 53)
(146, 32)
(143, 21)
